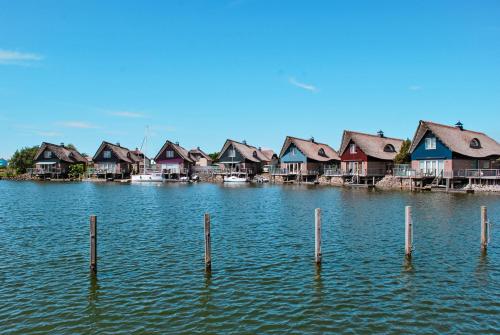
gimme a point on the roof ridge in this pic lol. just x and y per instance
(453, 127)
(305, 140)
(373, 135)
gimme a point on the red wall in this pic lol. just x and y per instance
(358, 156)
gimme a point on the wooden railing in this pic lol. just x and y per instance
(43, 171)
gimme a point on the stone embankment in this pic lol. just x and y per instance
(483, 188)
(334, 181)
(391, 182)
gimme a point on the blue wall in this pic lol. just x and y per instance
(441, 150)
(297, 158)
(3, 163)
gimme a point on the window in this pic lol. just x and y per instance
(232, 153)
(389, 148)
(254, 154)
(293, 152)
(47, 154)
(475, 144)
(321, 152)
(352, 148)
(430, 143)
(170, 154)
(107, 154)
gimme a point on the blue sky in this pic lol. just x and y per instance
(199, 72)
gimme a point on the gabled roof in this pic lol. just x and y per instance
(311, 149)
(139, 153)
(123, 154)
(247, 151)
(200, 152)
(62, 153)
(457, 140)
(177, 148)
(372, 145)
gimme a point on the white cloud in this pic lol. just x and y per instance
(307, 87)
(48, 133)
(127, 114)
(415, 88)
(18, 58)
(76, 124)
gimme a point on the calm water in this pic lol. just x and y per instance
(151, 272)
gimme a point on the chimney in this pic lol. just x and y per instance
(311, 139)
(380, 133)
(62, 144)
(244, 142)
(198, 148)
(177, 143)
(118, 143)
(459, 125)
(260, 148)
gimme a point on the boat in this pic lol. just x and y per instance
(147, 175)
(235, 179)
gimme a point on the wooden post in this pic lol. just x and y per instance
(208, 245)
(317, 235)
(484, 228)
(93, 244)
(447, 184)
(408, 232)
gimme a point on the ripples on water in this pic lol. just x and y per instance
(151, 273)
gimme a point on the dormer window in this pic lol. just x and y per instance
(254, 154)
(475, 144)
(106, 154)
(321, 152)
(430, 143)
(389, 148)
(352, 148)
(47, 154)
(170, 154)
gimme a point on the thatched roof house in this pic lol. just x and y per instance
(52, 159)
(199, 157)
(116, 160)
(174, 159)
(240, 156)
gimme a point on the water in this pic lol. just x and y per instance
(151, 267)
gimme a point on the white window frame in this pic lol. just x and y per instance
(430, 143)
(352, 148)
(106, 154)
(47, 154)
(170, 154)
(232, 153)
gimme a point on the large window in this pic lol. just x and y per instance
(47, 154)
(352, 148)
(430, 143)
(475, 144)
(170, 154)
(106, 154)
(232, 153)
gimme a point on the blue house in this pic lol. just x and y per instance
(3, 163)
(451, 151)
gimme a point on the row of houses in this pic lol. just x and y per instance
(438, 152)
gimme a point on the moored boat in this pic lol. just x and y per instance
(235, 179)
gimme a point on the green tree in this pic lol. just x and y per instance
(23, 159)
(70, 146)
(404, 157)
(76, 170)
(214, 156)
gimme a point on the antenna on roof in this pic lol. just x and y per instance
(459, 125)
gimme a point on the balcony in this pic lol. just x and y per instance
(39, 171)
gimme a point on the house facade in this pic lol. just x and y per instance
(302, 158)
(443, 151)
(114, 161)
(54, 161)
(173, 160)
(241, 158)
(367, 157)
(200, 158)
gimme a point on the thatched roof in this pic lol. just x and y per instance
(62, 153)
(177, 148)
(311, 149)
(247, 151)
(372, 145)
(198, 151)
(458, 140)
(123, 154)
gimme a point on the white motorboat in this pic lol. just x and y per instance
(147, 177)
(235, 179)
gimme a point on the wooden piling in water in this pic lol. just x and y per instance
(208, 244)
(484, 228)
(93, 244)
(317, 235)
(408, 232)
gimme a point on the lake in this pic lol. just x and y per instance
(264, 280)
